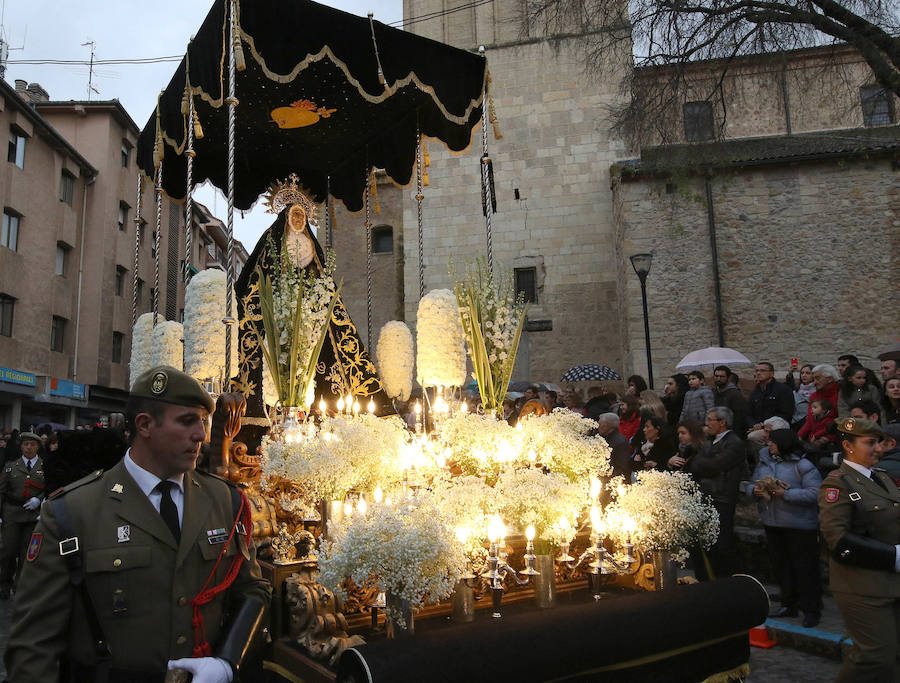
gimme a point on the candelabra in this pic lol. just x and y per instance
(602, 562)
(497, 569)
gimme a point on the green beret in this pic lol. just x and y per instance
(858, 427)
(29, 436)
(166, 384)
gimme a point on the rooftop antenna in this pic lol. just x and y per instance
(4, 44)
(90, 85)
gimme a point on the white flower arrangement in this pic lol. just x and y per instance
(532, 496)
(348, 453)
(560, 442)
(141, 346)
(492, 318)
(168, 348)
(395, 359)
(669, 513)
(204, 332)
(408, 549)
(440, 350)
(296, 306)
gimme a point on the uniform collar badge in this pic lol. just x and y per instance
(117, 488)
(123, 533)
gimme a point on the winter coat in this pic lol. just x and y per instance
(718, 468)
(867, 392)
(802, 397)
(775, 400)
(830, 392)
(630, 425)
(798, 509)
(732, 397)
(697, 403)
(816, 427)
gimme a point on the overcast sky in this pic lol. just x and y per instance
(127, 29)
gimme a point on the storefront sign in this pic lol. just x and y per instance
(17, 377)
(63, 387)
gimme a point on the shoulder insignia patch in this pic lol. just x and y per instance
(96, 474)
(831, 495)
(34, 546)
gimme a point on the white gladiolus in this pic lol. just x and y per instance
(395, 359)
(204, 332)
(441, 355)
(141, 346)
(167, 346)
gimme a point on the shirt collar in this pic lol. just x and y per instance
(29, 462)
(862, 469)
(719, 437)
(145, 480)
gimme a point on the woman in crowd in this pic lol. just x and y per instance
(698, 400)
(859, 384)
(629, 416)
(673, 397)
(802, 393)
(891, 401)
(658, 445)
(636, 385)
(574, 402)
(650, 401)
(786, 485)
(691, 440)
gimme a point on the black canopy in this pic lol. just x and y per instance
(311, 101)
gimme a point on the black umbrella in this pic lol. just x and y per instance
(315, 99)
(589, 372)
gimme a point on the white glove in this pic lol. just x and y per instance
(32, 503)
(204, 669)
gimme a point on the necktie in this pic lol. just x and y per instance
(167, 508)
(878, 481)
(28, 465)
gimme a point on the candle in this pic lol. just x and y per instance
(361, 506)
(340, 405)
(356, 408)
(348, 508)
(371, 407)
(378, 494)
(529, 533)
(496, 530)
(322, 406)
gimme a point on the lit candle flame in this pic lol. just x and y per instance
(371, 406)
(348, 508)
(596, 520)
(462, 533)
(340, 404)
(378, 494)
(629, 525)
(529, 532)
(356, 407)
(322, 406)
(417, 408)
(463, 408)
(362, 506)
(496, 529)
(596, 487)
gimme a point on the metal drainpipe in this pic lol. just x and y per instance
(717, 287)
(80, 274)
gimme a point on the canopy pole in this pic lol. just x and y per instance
(156, 241)
(419, 198)
(369, 179)
(189, 200)
(329, 238)
(229, 268)
(488, 201)
(138, 222)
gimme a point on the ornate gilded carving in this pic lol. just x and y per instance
(315, 620)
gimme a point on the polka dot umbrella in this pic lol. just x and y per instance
(589, 372)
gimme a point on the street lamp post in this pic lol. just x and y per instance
(641, 264)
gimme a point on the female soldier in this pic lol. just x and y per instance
(859, 517)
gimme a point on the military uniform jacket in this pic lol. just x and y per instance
(17, 485)
(875, 515)
(140, 580)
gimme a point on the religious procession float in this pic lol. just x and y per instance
(449, 547)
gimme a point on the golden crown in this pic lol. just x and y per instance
(288, 192)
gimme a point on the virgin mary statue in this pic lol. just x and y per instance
(344, 367)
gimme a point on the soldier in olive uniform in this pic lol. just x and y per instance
(21, 490)
(145, 567)
(859, 516)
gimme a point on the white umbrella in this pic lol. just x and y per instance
(712, 356)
